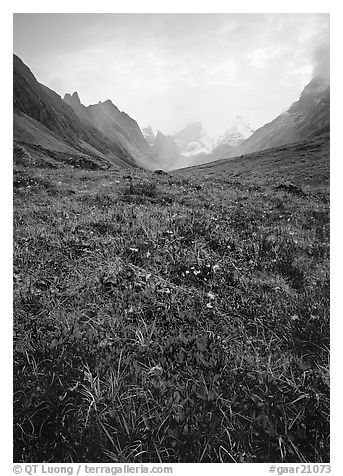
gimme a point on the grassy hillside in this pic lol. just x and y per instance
(173, 318)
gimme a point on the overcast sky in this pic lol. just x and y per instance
(171, 69)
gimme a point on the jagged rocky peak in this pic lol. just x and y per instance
(109, 103)
(191, 133)
(109, 107)
(99, 130)
(72, 99)
(75, 97)
(237, 133)
(193, 140)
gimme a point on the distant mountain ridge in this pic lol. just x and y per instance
(107, 136)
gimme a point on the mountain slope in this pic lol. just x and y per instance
(41, 117)
(116, 126)
(305, 164)
(46, 107)
(303, 120)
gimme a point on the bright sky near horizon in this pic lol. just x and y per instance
(168, 70)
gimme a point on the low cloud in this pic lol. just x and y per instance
(321, 61)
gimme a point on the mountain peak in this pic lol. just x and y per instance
(148, 135)
(75, 97)
(72, 99)
(109, 106)
(239, 130)
(162, 136)
(165, 148)
(192, 132)
(100, 132)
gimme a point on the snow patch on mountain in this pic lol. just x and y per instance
(148, 135)
(237, 133)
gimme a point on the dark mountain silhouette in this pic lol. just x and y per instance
(42, 119)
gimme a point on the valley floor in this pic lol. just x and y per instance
(173, 318)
